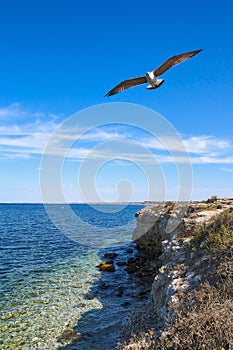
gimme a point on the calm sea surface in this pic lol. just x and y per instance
(50, 285)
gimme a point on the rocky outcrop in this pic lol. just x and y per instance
(154, 225)
(164, 232)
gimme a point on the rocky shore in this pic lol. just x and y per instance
(176, 238)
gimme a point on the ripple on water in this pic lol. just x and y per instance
(56, 300)
(45, 279)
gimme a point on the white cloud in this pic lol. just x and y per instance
(16, 112)
(229, 170)
(195, 144)
(206, 144)
(13, 111)
(24, 134)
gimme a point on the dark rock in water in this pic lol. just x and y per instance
(131, 268)
(130, 250)
(69, 335)
(143, 292)
(131, 260)
(132, 265)
(107, 266)
(121, 263)
(104, 286)
(140, 275)
(110, 255)
(140, 260)
(125, 304)
(120, 291)
(90, 296)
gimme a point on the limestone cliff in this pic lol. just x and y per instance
(164, 232)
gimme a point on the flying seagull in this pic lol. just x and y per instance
(152, 77)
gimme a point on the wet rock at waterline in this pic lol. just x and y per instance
(107, 266)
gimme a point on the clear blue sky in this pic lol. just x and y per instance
(60, 57)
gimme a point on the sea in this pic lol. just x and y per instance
(52, 294)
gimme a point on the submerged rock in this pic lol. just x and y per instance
(132, 260)
(121, 263)
(120, 291)
(131, 268)
(110, 255)
(69, 335)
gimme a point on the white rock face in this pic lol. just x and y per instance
(164, 232)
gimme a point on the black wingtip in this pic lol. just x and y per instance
(108, 94)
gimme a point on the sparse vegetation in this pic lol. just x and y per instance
(204, 320)
(217, 235)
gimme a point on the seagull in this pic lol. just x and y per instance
(152, 77)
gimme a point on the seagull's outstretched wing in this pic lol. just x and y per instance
(173, 61)
(127, 84)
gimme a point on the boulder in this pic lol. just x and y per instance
(130, 250)
(107, 266)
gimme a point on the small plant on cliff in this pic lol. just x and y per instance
(217, 235)
(220, 241)
(198, 238)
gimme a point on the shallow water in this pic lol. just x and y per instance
(50, 284)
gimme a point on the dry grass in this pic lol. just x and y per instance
(203, 321)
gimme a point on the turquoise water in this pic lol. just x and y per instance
(50, 284)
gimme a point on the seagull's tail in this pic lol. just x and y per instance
(159, 82)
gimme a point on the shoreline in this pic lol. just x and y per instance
(149, 275)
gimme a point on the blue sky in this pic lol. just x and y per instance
(59, 58)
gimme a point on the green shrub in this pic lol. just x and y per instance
(219, 241)
(217, 235)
